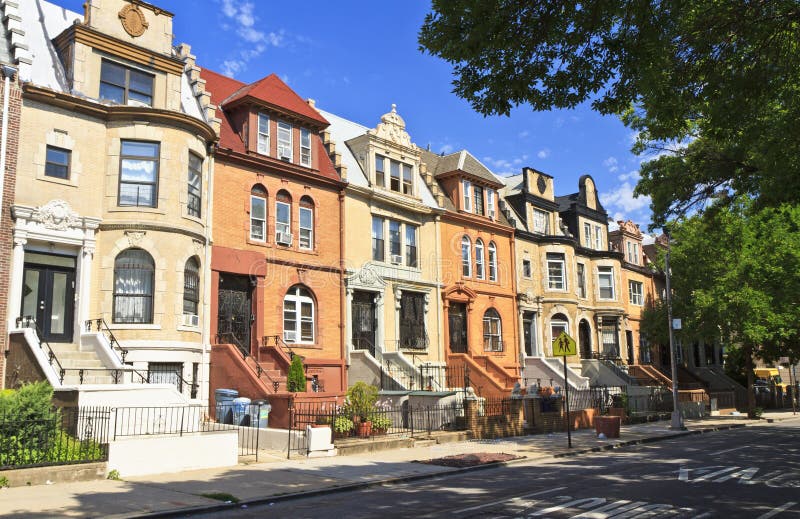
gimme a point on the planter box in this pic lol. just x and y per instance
(608, 425)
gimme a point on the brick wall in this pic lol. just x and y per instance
(489, 425)
(6, 226)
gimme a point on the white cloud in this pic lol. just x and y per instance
(611, 164)
(631, 175)
(622, 200)
(523, 134)
(543, 154)
(240, 17)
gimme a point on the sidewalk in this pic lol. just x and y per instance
(279, 478)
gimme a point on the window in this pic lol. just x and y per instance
(408, 182)
(165, 373)
(526, 268)
(194, 186)
(490, 203)
(378, 248)
(283, 218)
(635, 293)
(479, 272)
(305, 147)
(558, 325)
(380, 170)
(466, 187)
(477, 195)
(298, 316)
(610, 337)
(134, 271)
(587, 235)
(258, 213)
(466, 260)
(598, 239)
(306, 223)
(633, 252)
(191, 286)
(394, 172)
(125, 85)
(581, 280)
(57, 162)
(412, 321)
(540, 222)
(492, 262)
(605, 280)
(492, 331)
(285, 141)
(394, 242)
(138, 173)
(263, 134)
(411, 245)
(555, 271)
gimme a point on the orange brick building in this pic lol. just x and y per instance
(276, 281)
(478, 281)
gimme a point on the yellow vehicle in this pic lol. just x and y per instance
(768, 377)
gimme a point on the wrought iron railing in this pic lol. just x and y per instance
(100, 326)
(257, 370)
(362, 343)
(29, 322)
(280, 344)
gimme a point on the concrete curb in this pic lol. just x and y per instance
(415, 477)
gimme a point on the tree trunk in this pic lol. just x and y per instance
(748, 368)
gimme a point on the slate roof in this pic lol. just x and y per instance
(274, 91)
(440, 165)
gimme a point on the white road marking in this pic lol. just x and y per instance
(683, 474)
(728, 450)
(711, 475)
(611, 509)
(644, 511)
(501, 501)
(776, 511)
(587, 502)
(744, 476)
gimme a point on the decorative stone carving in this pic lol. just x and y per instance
(629, 227)
(393, 128)
(135, 237)
(366, 278)
(133, 21)
(198, 247)
(56, 215)
(541, 184)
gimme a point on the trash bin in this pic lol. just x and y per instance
(241, 411)
(261, 409)
(224, 400)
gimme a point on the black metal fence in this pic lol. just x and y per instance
(774, 396)
(60, 437)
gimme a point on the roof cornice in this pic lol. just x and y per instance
(276, 167)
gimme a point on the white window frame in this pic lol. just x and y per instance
(382, 160)
(263, 201)
(492, 341)
(587, 235)
(407, 188)
(541, 222)
(375, 237)
(490, 208)
(527, 268)
(410, 231)
(605, 272)
(636, 297)
(598, 240)
(299, 301)
(557, 324)
(308, 231)
(281, 226)
(305, 147)
(580, 272)
(466, 257)
(466, 186)
(559, 262)
(480, 271)
(283, 144)
(492, 261)
(262, 137)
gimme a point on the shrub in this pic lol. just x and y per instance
(361, 398)
(381, 422)
(296, 379)
(343, 425)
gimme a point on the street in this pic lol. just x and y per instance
(752, 472)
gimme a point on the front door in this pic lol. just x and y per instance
(364, 322)
(457, 318)
(585, 339)
(48, 294)
(235, 313)
(528, 332)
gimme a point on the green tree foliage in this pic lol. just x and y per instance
(712, 85)
(296, 379)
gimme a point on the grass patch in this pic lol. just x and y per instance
(222, 496)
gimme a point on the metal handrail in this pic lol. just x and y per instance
(258, 370)
(280, 344)
(102, 327)
(28, 320)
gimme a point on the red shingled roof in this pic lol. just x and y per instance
(226, 91)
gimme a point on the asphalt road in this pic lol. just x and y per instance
(753, 472)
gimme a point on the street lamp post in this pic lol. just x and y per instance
(677, 419)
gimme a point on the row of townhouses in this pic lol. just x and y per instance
(168, 231)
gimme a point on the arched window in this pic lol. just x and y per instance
(492, 331)
(258, 213)
(298, 315)
(306, 223)
(191, 286)
(283, 218)
(134, 271)
(466, 260)
(479, 272)
(492, 262)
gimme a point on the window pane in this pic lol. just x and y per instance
(305, 217)
(141, 82)
(258, 208)
(112, 73)
(394, 237)
(112, 93)
(140, 149)
(282, 217)
(138, 170)
(57, 163)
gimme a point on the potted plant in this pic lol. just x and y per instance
(361, 399)
(380, 424)
(342, 426)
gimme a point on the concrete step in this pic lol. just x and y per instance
(80, 363)
(72, 379)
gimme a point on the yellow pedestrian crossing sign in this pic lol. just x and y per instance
(564, 345)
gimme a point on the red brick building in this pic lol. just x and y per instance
(276, 281)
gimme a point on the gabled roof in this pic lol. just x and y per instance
(460, 161)
(272, 91)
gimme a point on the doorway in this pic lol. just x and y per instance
(585, 339)
(48, 294)
(235, 311)
(364, 321)
(457, 322)
(529, 332)
(629, 342)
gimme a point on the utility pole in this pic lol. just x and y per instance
(677, 420)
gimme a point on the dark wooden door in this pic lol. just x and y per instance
(364, 322)
(457, 318)
(235, 312)
(48, 295)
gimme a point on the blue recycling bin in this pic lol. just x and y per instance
(224, 404)
(261, 409)
(241, 411)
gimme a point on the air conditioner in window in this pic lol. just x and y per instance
(289, 336)
(283, 238)
(397, 259)
(191, 320)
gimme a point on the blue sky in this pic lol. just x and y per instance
(356, 58)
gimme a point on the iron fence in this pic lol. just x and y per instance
(650, 400)
(597, 397)
(59, 437)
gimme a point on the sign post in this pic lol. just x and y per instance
(563, 346)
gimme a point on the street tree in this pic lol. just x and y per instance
(711, 87)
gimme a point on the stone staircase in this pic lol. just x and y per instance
(73, 361)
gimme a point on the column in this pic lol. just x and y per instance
(15, 285)
(348, 324)
(84, 285)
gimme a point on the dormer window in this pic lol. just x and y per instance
(408, 184)
(380, 171)
(305, 148)
(263, 134)
(285, 141)
(490, 203)
(466, 187)
(125, 85)
(598, 239)
(401, 175)
(394, 180)
(540, 222)
(633, 252)
(477, 193)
